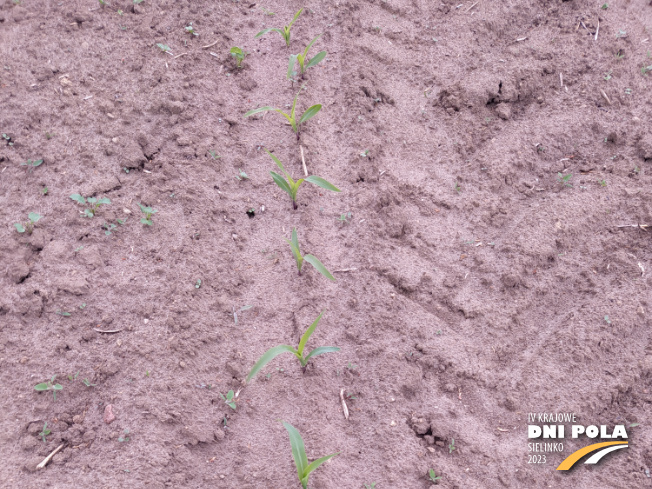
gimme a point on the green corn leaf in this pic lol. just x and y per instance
(305, 52)
(34, 217)
(295, 240)
(317, 463)
(78, 198)
(310, 113)
(298, 452)
(265, 31)
(256, 111)
(293, 60)
(306, 335)
(314, 261)
(280, 181)
(296, 253)
(19, 227)
(316, 59)
(267, 357)
(320, 182)
(294, 106)
(321, 350)
(280, 165)
(295, 188)
(296, 16)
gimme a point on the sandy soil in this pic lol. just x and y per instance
(474, 284)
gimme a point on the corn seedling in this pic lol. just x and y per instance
(29, 225)
(239, 55)
(294, 244)
(302, 59)
(94, 203)
(272, 353)
(564, 179)
(284, 32)
(49, 386)
(44, 432)
(191, 30)
(296, 125)
(304, 469)
(229, 399)
(148, 211)
(291, 187)
(32, 164)
(434, 478)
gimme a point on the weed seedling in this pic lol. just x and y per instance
(285, 32)
(228, 399)
(564, 179)
(8, 139)
(94, 203)
(605, 6)
(344, 217)
(242, 175)
(44, 432)
(451, 446)
(299, 454)
(214, 155)
(272, 353)
(607, 75)
(291, 187)
(62, 313)
(124, 437)
(607, 320)
(109, 227)
(457, 187)
(72, 377)
(370, 486)
(138, 2)
(44, 190)
(148, 211)
(296, 125)
(302, 58)
(49, 386)
(294, 244)
(87, 383)
(164, 47)
(28, 226)
(32, 164)
(603, 183)
(191, 30)
(239, 55)
(434, 478)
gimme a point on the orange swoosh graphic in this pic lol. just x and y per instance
(575, 456)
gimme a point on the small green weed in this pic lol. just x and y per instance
(603, 183)
(564, 179)
(607, 76)
(148, 211)
(299, 454)
(32, 164)
(434, 478)
(110, 227)
(229, 399)
(94, 203)
(242, 175)
(28, 226)
(284, 32)
(44, 190)
(164, 47)
(7, 138)
(272, 353)
(191, 30)
(239, 54)
(44, 432)
(313, 260)
(124, 437)
(451, 446)
(49, 386)
(235, 313)
(213, 154)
